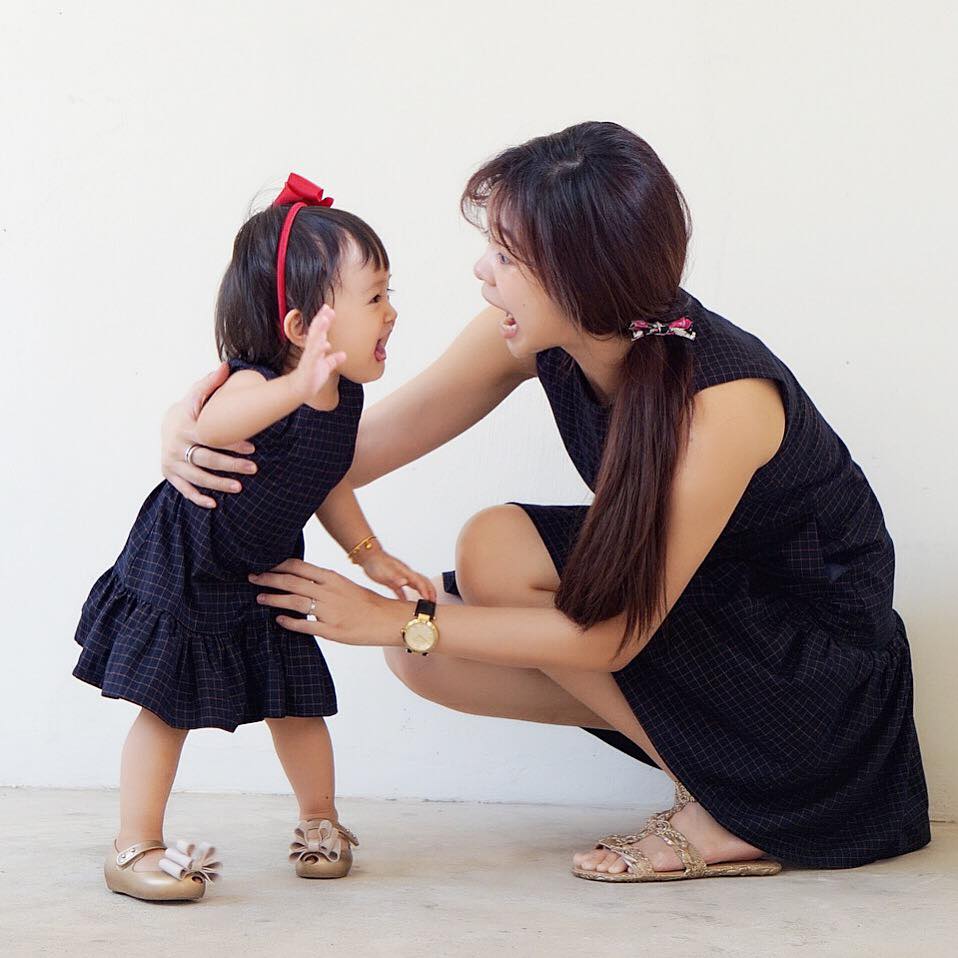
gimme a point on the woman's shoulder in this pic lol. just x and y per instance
(725, 352)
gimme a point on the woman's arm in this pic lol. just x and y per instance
(469, 380)
(736, 428)
(463, 385)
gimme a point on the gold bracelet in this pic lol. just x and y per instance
(367, 543)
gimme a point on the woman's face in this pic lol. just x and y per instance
(532, 321)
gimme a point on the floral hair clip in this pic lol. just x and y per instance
(678, 327)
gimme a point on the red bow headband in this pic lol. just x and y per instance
(300, 192)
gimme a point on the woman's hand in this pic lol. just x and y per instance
(178, 433)
(345, 612)
(387, 570)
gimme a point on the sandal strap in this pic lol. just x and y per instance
(692, 861)
(629, 851)
(134, 853)
(342, 829)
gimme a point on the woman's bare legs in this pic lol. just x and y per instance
(151, 755)
(523, 575)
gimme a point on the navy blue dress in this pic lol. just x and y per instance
(174, 625)
(779, 687)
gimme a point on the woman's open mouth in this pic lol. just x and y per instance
(509, 327)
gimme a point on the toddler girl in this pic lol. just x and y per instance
(174, 625)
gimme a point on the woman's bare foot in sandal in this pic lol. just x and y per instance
(714, 844)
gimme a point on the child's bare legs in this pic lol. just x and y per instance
(151, 755)
(306, 751)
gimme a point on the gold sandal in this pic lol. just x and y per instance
(186, 871)
(640, 868)
(329, 855)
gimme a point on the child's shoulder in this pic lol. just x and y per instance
(237, 365)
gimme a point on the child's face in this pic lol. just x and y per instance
(364, 318)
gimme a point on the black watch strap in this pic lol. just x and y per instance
(425, 607)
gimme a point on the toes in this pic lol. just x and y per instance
(618, 866)
(588, 860)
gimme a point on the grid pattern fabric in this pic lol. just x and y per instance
(779, 687)
(174, 625)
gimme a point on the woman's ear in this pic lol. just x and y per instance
(295, 327)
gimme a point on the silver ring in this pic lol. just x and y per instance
(188, 455)
(311, 610)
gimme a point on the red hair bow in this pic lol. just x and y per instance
(301, 193)
(299, 190)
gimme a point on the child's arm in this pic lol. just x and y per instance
(243, 406)
(247, 402)
(343, 519)
(342, 516)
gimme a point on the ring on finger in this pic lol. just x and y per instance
(310, 612)
(188, 455)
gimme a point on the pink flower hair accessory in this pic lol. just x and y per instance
(678, 327)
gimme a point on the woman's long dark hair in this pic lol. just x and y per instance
(247, 315)
(600, 223)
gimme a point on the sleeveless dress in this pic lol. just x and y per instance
(779, 687)
(174, 626)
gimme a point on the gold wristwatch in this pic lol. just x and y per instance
(420, 633)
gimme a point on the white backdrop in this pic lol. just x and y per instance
(815, 143)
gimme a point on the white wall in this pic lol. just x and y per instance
(815, 143)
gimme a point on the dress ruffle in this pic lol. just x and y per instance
(135, 651)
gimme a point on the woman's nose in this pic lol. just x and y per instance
(482, 272)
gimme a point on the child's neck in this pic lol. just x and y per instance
(327, 399)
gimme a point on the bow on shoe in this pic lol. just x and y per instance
(187, 860)
(678, 327)
(329, 844)
(300, 190)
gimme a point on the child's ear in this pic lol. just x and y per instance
(295, 327)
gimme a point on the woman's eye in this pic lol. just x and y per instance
(503, 259)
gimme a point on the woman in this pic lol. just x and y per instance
(722, 609)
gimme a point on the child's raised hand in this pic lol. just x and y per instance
(318, 362)
(390, 571)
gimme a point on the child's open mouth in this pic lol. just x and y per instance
(509, 327)
(380, 350)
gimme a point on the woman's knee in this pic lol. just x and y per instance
(500, 558)
(414, 673)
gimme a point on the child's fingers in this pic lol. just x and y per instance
(334, 361)
(423, 586)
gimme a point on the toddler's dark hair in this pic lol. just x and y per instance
(247, 314)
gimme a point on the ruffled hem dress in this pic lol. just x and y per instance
(174, 626)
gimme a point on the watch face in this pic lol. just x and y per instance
(420, 636)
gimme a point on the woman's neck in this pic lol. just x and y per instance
(601, 362)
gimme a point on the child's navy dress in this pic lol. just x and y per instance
(779, 687)
(174, 625)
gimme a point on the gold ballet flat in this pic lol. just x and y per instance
(327, 856)
(184, 876)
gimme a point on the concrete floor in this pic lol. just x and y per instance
(444, 880)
